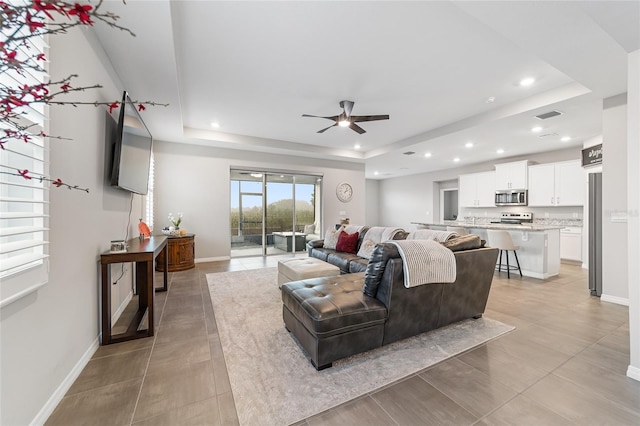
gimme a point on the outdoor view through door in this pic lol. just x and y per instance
(273, 212)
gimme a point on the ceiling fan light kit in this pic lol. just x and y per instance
(345, 119)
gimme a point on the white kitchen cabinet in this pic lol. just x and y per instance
(512, 175)
(571, 243)
(556, 184)
(477, 190)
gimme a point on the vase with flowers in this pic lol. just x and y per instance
(174, 229)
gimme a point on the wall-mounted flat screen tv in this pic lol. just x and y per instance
(132, 150)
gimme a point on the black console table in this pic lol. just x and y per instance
(142, 253)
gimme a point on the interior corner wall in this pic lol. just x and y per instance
(614, 200)
(194, 180)
(633, 164)
(48, 336)
(372, 202)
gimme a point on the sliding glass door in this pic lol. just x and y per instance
(273, 212)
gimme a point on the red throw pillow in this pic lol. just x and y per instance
(347, 242)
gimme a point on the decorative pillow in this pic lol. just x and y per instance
(347, 242)
(366, 248)
(465, 242)
(309, 229)
(331, 238)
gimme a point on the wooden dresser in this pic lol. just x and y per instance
(181, 252)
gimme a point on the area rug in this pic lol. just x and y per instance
(272, 380)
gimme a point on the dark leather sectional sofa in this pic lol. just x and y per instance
(335, 317)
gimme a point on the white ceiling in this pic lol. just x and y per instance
(256, 67)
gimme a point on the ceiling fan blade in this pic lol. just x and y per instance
(357, 128)
(326, 128)
(334, 118)
(347, 106)
(359, 118)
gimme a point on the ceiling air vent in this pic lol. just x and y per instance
(409, 153)
(549, 114)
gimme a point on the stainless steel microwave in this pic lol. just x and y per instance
(512, 197)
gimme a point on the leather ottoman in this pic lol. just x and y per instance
(332, 318)
(302, 268)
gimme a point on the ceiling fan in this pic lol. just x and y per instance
(345, 119)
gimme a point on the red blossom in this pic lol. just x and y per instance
(81, 11)
(43, 6)
(43, 134)
(58, 182)
(112, 107)
(65, 87)
(24, 173)
(33, 25)
(41, 57)
(141, 107)
(11, 55)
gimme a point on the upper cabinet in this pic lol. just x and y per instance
(512, 175)
(477, 190)
(556, 184)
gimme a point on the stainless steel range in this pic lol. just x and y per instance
(515, 218)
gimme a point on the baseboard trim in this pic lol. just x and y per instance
(62, 389)
(614, 299)
(121, 308)
(212, 259)
(633, 372)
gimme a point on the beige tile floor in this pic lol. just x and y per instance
(564, 364)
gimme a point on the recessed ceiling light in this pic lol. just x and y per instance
(215, 124)
(500, 151)
(456, 159)
(469, 145)
(566, 139)
(536, 129)
(427, 154)
(376, 173)
(357, 146)
(527, 81)
(490, 99)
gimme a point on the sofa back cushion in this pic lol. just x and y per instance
(347, 243)
(376, 266)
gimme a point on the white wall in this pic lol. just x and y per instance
(195, 181)
(614, 200)
(372, 202)
(633, 164)
(48, 335)
(416, 198)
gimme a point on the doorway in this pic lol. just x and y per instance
(273, 212)
(449, 204)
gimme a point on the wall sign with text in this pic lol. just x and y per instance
(592, 155)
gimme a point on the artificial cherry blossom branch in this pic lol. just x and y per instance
(27, 175)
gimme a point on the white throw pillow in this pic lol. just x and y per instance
(331, 238)
(309, 229)
(366, 249)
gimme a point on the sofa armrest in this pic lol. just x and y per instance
(315, 244)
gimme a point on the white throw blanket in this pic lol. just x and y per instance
(426, 262)
(431, 234)
(375, 235)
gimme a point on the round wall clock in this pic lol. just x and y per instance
(344, 191)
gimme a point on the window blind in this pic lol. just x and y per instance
(149, 197)
(24, 203)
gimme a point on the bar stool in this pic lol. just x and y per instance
(502, 241)
(458, 230)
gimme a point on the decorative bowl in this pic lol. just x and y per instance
(172, 233)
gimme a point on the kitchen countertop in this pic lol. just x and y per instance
(532, 227)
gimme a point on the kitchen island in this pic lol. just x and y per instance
(539, 245)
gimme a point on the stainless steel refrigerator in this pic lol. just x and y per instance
(595, 234)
